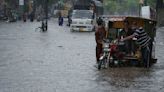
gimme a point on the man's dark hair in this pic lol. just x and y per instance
(110, 24)
(99, 21)
(126, 22)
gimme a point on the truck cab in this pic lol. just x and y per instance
(82, 20)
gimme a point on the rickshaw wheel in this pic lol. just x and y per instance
(101, 62)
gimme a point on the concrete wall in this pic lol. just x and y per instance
(160, 17)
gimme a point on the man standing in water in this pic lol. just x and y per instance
(145, 43)
(100, 34)
(60, 19)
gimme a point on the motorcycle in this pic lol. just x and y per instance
(111, 54)
(104, 59)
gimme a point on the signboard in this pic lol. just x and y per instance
(21, 2)
(145, 12)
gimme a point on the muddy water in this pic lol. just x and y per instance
(62, 61)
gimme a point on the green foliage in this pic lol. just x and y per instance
(124, 7)
(50, 2)
(152, 3)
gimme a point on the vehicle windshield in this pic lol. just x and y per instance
(82, 14)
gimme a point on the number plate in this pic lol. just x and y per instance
(81, 29)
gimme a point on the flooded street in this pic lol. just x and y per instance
(63, 61)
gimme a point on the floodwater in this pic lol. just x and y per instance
(63, 61)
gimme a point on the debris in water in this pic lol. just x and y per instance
(60, 46)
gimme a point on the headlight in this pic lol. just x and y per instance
(74, 22)
(81, 23)
(88, 22)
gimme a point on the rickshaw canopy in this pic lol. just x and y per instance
(119, 22)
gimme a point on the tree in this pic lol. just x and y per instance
(121, 7)
(126, 6)
(12, 3)
(159, 4)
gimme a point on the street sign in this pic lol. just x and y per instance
(145, 12)
(141, 2)
(21, 2)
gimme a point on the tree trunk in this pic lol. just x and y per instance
(159, 4)
(145, 2)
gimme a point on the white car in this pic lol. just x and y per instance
(82, 20)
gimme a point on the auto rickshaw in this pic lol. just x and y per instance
(118, 55)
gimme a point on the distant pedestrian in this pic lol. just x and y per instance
(69, 20)
(60, 19)
(25, 17)
(32, 16)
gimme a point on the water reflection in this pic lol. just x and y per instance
(127, 77)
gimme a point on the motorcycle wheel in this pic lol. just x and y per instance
(102, 62)
(99, 64)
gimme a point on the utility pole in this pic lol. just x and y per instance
(44, 25)
(145, 2)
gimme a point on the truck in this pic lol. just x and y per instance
(82, 20)
(84, 14)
